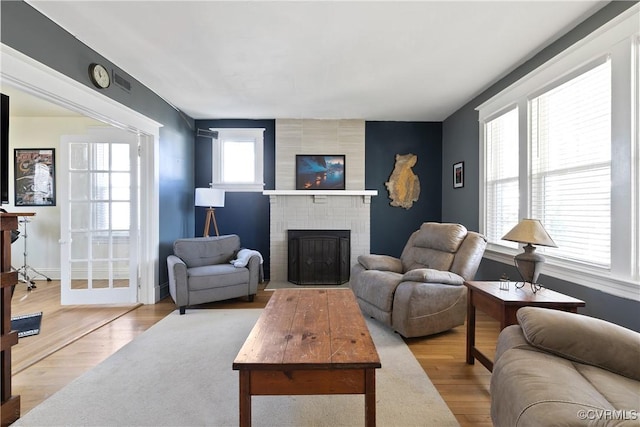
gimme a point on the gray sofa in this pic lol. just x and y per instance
(207, 269)
(565, 369)
(422, 292)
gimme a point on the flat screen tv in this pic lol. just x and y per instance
(320, 172)
(4, 149)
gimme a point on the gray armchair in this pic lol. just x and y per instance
(422, 292)
(201, 271)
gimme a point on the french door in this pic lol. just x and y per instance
(99, 217)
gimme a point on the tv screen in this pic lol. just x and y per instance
(4, 150)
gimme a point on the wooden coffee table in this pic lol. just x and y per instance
(502, 305)
(307, 342)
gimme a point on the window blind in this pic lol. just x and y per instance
(501, 176)
(570, 166)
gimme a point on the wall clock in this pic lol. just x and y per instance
(99, 76)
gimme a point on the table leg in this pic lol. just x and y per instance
(245, 398)
(370, 397)
(471, 328)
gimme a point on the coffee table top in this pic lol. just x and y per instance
(309, 329)
(522, 295)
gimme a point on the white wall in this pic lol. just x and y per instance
(43, 228)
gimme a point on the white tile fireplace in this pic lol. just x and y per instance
(323, 209)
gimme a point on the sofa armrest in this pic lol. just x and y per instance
(178, 287)
(380, 262)
(582, 339)
(429, 275)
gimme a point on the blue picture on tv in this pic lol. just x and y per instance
(319, 172)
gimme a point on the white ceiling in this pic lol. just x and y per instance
(382, 60)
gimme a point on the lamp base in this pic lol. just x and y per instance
(529, 264)
(207, 223)
(535, 287)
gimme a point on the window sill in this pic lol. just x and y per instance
(590, 277)
(258, 188)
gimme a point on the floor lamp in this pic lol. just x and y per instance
(210, 198)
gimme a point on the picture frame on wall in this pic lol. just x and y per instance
(458, 175)
(35, 177)
(320, 172)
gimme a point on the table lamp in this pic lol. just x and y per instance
(210, 198)
(529, 263)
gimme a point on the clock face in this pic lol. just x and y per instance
(99, 76)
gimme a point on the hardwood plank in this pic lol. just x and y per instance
(348, 341)
(310, 334)
(60, 326)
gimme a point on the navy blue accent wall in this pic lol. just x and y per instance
(28, 31)
(392, 226)
(461, 142)
(245, 213)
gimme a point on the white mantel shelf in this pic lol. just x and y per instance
(320, 192)
(320, 196)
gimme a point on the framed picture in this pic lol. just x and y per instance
(320, 172)
(35, 177)
(458, 175)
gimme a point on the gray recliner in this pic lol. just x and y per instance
(201, 271)
(422, 292)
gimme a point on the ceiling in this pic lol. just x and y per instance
(381, 60)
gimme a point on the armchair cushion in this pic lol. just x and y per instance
(429, 275)
(380, 262)
(199, 251)
(572, 336)
(434, 246)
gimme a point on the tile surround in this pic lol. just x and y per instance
(349, 212)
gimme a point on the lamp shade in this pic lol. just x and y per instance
(530, 231)
(210, 197)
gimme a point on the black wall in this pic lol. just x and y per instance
(461, 142)
(391, 226)
(245, 213)
(28, 31)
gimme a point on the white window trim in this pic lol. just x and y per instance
(216, 161)
(617, 39)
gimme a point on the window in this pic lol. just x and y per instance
(561, 145)
(570, 182)
(501, 182)
(237, 162)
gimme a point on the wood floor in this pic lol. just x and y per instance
(465, 388)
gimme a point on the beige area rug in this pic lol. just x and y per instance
(272, 286)
(178, 373)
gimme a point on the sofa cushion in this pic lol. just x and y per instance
(429, 275)
(583, 339)
(534, 388)
(380, 262)
(199, 251)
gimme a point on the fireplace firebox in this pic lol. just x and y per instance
(319, 257)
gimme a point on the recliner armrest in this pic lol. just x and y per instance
(380, 262)
(429, 275)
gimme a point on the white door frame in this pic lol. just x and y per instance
(31, 76)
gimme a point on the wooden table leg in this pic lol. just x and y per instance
(245, 398)
(471, 328)
(370, 397)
